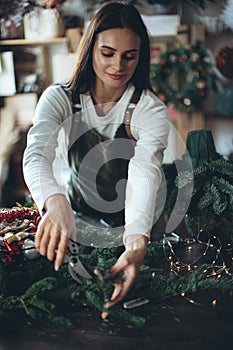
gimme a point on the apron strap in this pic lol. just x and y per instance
(76, 107)
(129, 111)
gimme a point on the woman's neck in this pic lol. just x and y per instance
(100, 95)
(104, 100)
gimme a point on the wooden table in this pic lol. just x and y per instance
(184, 326)
(180, 326)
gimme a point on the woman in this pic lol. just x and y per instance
(110, 83)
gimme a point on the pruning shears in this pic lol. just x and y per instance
(75, 266)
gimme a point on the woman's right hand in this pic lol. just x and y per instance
(55, 228)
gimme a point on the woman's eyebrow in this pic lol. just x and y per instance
(111, 48)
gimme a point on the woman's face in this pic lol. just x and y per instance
(115, 57)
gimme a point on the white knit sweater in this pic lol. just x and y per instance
(50, 136)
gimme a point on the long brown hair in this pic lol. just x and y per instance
(112, 15)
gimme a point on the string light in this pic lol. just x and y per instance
(216, 267)
(214, 302)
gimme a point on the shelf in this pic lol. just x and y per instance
(22, 42)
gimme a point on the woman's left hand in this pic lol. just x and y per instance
(129, 264)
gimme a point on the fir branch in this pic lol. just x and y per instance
(212, 196)
(43, 305)
(44, 298)
(9, 302)
(41, 287)
(128, 318)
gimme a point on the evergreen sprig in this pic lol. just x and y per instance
(212, 197)
(49, 296)
(212, 200)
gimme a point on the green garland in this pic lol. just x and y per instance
(182, 77)
(211, 204)
(33, 291)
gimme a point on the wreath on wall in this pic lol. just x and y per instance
(182, 77)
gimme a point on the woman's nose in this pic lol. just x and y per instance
(118, 64)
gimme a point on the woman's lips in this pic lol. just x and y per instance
(115, 76)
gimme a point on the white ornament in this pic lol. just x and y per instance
(29, 250)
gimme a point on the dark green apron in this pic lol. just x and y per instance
(105, 177)
(96, 169)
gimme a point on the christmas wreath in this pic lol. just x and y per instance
(182, 77)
